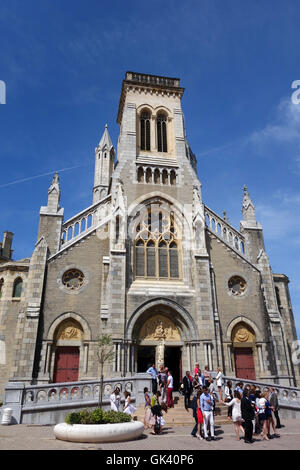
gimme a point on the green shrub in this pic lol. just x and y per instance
(97, 416)
(116, 417)
(73, 418)
(85, 417)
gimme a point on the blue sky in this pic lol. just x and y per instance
(63, 63)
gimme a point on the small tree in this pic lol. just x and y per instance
(105, 354)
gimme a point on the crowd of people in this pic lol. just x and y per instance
(252, 411)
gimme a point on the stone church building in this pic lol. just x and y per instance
(147, 262)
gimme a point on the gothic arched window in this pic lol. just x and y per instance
(145, 130)
(156, 244)
(1, 286)
(17, 289)
(161, 126)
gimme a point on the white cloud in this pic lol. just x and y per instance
(278, 223)
(286, 198)
(283, 129)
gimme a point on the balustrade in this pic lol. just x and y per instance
(50, 394)
(152, 79)
(288, 397)
(83, 222)
(224, 231)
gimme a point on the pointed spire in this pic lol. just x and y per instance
(248, 208)
(104, 164)
(54, 194)
(105, 139)
(54, 183)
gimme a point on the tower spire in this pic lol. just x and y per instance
(54, 194)
(104, 163)
(248, 208)
(51, 217)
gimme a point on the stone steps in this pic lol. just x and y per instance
(179, 416)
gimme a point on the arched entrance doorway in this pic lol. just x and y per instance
(161, 332)
(160, 343)
(243, 340)
(68, 337)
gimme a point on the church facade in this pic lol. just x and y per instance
(148, 263)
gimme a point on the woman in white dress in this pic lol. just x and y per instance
(228, 397)
(128, 407)
(236, 413)
(261, 403)
(115, 400)
(219, 379)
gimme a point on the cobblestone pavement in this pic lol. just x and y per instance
(34, 437)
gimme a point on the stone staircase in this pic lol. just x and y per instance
(179, 416)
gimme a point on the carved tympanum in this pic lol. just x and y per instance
(159, 328)
(242, 334)
(69, 330)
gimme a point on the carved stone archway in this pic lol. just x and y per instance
(167, 307)
(69, 330)
(160, 330)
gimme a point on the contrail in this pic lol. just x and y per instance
(39, 176)
(241, 141)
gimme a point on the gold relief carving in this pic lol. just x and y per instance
(242, 335)
(159, 328)
(69, 331)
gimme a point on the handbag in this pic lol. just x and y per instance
(157, 427)
(156, 410)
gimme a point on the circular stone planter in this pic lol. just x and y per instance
(115, 432)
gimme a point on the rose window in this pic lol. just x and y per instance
(73, 279)
(237, 285)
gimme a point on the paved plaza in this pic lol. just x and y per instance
(33, 437)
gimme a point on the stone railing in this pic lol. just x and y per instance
(83, 222)
(222, 229)
(288, 397)
(152, 79)
(49, 403)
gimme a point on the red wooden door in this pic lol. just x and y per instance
(66, 364)
(244, 363)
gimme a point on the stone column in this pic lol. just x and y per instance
(209, 353)
(229, 356)
(160, 353)
(85, 363)
(260, 357)
(188, 352)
